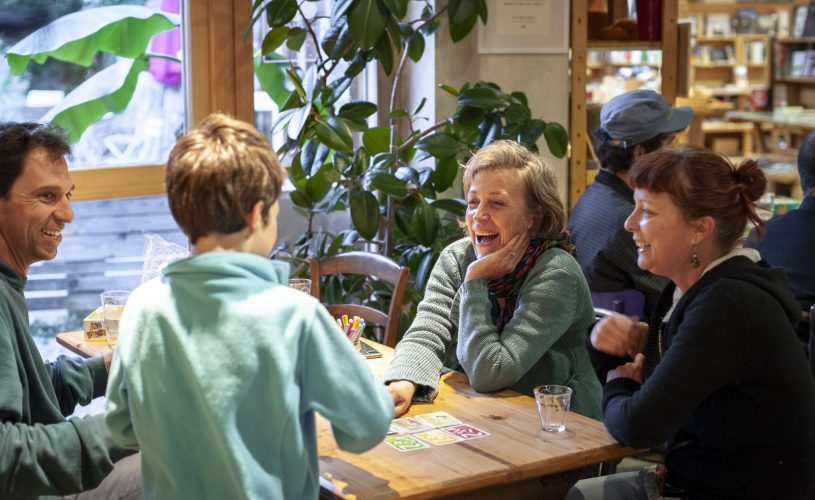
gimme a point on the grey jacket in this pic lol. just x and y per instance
(543, 343)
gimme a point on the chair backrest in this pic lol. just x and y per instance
(628, 302)
(365, 264)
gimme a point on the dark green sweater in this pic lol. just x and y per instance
(41, 452)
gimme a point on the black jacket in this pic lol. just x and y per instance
(727, 386)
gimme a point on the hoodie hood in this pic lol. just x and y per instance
(771, 280)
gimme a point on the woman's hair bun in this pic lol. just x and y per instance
(751, 179)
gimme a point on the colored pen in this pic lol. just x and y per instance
(358, 332)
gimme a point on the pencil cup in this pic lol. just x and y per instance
(553, 406)
(302, 284)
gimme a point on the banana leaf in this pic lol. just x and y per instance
(109, 90)
(122, 30)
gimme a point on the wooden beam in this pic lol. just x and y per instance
(577, 107)
(118, 182)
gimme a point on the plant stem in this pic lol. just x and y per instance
(150, 55)
(396, 78)
(424, 134)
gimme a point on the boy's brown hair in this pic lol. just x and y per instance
(217, 172)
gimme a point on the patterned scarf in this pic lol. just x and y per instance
(509, 286)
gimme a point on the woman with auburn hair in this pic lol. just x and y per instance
(509, 298)
(721, 378)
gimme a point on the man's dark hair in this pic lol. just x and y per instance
(18, 139)
(617, 159)
(806, 164)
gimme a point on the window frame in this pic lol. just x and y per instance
(213, 38)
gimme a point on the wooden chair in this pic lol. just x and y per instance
(365, 264)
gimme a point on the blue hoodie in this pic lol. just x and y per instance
(219, 370)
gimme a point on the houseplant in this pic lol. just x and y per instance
(380, 174)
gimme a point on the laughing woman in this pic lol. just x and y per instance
(722, 378)
(511, 292)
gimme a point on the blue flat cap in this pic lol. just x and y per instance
(636, 116)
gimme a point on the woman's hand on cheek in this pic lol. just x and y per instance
(501, 262)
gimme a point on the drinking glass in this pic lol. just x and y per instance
(553, 406)
(113, 303)
(302, 284)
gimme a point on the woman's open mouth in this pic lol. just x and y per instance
(485, 238)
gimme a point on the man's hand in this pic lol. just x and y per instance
(619, 335)
(631, 370)
(402, 393)
(108, 357)
(501, 262)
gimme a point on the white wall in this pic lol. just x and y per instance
(544, 78)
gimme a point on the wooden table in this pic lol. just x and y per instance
(517, 459)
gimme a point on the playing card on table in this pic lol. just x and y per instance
(437, 437)
(438, 419)
(465, 431)
(408, 425)
(406, 443)
(392, 430)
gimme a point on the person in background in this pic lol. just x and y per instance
(789, 239)
(42, 452)
(220, 366)
(509, 297)
(631, 125)
(722, 378)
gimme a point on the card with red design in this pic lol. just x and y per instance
(465, 431)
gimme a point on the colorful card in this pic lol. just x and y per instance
(406, 443)
(408, 425)
(437, 437)
(465, 431)
(438, 419)
(392, 430)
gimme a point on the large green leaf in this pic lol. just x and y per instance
(357, 111)
(337, 41)
(425, 224)
(110, 90)
(388, 184)
(445, 174)
(481, 97)
(377, 140)
(122, 30)
(317, 187)
(384, 53)
(462, 15)
(416, 47)
(455, 206)
(365, 213)
(398, 7)
(272, 77)
(557, 140)
(440, 145)
(274, 39)
(280, 12)
(367, 20)
(334, 133)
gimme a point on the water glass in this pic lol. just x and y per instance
(113, 304)
(553, 406)
(302, 284)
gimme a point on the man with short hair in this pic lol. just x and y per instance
(789, 240)
(42, 452)
(631, 125)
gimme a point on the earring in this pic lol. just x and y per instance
(694, 258)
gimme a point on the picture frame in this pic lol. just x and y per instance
(525, 27)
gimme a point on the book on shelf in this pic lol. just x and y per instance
(809, 65)
(798, 60)
(809, 24)
(718, 24)
(799, 21)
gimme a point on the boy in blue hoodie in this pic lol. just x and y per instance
(220, 366)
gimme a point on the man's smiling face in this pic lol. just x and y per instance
(36, 210)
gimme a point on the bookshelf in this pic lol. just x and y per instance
(592, 59)
(732, 67)
(794, 71)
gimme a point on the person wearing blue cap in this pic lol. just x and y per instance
(631, 125)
